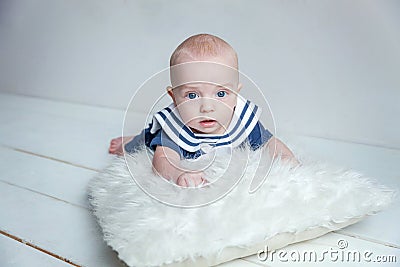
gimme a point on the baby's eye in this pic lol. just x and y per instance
(221, 94)
(191, 95)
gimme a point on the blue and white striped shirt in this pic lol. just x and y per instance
(167, 129)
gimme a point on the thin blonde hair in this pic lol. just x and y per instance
(203, 45)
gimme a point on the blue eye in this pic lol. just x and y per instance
(192, 95)
(221, 94)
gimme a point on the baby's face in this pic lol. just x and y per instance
(205, 94)
(205, 108)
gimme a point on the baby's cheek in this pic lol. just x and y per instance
(225, 112)
(225, 108)
(188, 113)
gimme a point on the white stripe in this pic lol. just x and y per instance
(249, 128)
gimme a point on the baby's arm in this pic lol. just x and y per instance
(281, 150)
(166, 162)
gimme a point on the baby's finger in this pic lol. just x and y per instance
(197, 181)
(204, 181)
(182, 182)
(192, 181)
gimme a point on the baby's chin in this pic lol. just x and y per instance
(202, 130)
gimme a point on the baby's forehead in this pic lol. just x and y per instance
(205, 86)
(203, 72)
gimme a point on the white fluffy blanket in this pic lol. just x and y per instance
(146, 232)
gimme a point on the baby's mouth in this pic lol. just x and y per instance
(208, 123)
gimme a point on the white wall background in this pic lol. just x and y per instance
(328, 68)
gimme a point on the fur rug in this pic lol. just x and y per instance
(147, 232)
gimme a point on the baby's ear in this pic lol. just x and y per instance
(239, 87)
(171, 93)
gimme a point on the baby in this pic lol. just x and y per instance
(206, 113)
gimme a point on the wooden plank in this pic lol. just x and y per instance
(73, 133)
(55, 226)
(17, 254)
(325, 251)
(378, 162)
(60, 181)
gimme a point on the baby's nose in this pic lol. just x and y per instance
(207, 105)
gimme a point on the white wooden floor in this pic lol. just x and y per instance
(50, 149)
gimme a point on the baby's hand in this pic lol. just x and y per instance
(191, 179)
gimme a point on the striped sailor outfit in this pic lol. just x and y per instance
(167, 129)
